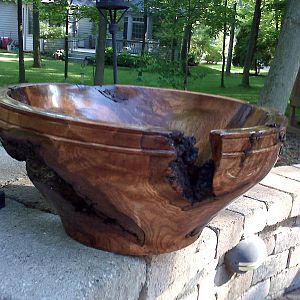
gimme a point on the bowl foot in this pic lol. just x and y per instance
(81, 219)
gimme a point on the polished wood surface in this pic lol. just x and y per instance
(137, 170)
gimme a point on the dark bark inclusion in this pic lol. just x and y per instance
(192, 181)
(113, 95)
(195, 182)
(39, 172)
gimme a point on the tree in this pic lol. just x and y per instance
(231, 42)
(100, 51)
(145, 20)
(210, 13)
(177, 21)
(168, 22)
(276, 10)
(184, 53)
(36, 35)
(92, 13)
(286, 63)
(67, 15)
(223, 46)
(59, 12)
(174, 42)
(252, 43)
(265, 47)
(65, 12)
(20, 40)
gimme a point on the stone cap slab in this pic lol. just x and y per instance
(38, 261)
(291, 172)
(278, 211)
(10, 169)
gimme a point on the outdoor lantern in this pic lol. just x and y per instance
(2, 199)
(112, 6)
(248, 255)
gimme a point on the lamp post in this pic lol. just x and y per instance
(112, 6)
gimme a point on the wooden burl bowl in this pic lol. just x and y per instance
(137, 170)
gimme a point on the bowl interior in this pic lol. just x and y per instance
(194, 114)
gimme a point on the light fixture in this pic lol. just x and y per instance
(248, 255)
(2, 199)
(113, 6)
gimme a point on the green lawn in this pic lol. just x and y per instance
(211, 84)
(53, 71)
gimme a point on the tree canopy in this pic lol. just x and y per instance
(189, 31)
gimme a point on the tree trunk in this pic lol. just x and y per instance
(224, 45)
(20, 40)
(100, 51)
(286, 62)
(295, 100)
(67, 44)
(145, 28)
(184, 53)
(36, 36)
(174, 41)
(231, 41)
(173, 49)
(252, 43)
(190, 40)
(256, 67)
(276, 21)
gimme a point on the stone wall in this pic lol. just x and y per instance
(38, 260)
(269, 210)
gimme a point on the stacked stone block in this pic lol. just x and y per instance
(39, 261)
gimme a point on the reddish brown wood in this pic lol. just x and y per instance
(137, 170)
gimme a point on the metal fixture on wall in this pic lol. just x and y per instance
(113, 6)
(248, 255)
(2, 199)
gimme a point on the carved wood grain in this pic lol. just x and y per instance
(137, 170)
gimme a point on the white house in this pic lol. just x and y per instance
(9, 22)
(129, 36)
(83, 36)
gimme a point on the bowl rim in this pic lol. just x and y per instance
(14, 105)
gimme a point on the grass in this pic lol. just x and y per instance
(211, 84)
(205, 78)
(53, 71)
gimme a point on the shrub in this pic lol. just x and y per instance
(192, 59)
(109, 56)
(213, 56)
(265, 48)
(124, 59)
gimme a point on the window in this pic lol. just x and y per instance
(138, 19)
(138, 28)
(29, 21)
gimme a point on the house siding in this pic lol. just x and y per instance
(84, 27)
(9, 23)
(8, 20)
(50, 46)
(84, 31)
(28, 38)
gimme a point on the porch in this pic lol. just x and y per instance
(133, 47)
